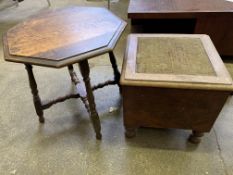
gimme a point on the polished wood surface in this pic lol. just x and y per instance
(186, 16)
(85, 71)
(63, 33)
(151, 8)
(167, 99)
(60, 37)
(171, 108)
(35, 93)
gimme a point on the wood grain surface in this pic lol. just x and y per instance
(64, 33)
(211, 17)
(183, 6)
(171, 108)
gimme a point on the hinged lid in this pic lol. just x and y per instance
(179, 61)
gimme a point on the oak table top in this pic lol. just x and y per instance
(61, 37)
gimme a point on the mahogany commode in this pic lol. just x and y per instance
(173, 81)
(60, 38)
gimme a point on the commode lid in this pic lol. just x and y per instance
(179, 61)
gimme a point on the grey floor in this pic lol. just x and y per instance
(66, 143)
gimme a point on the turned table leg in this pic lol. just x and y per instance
(35, 93)
(116, 72)
(130, 132)
(76, 81)
(85, 71)
(195, 137)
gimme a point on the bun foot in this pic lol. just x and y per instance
(195, 137)
(99, 136)
(41, 119)
(130, 132)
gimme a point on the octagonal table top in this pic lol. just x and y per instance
(57, 38)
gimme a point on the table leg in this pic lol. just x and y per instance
(195, 137)
(116, 72)
(35, 93)
(130, 132)
(85, 71)
(75, 80)
(109, 4)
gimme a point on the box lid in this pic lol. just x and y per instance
(174, 61)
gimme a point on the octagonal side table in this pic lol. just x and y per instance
(60, 38)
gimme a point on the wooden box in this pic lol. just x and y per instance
(173, 81)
